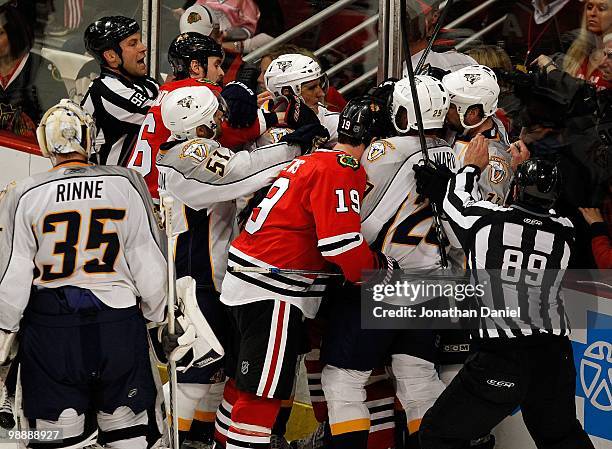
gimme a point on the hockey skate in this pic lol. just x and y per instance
(7, 419)
(278, 442)
(314, 441)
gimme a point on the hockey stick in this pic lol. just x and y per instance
(262, 270)
(419, 118)
(167, 203)
(433, 37)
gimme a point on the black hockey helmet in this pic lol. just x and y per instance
(106, 34)
(187, 47)
(539, 182)
(361, 118)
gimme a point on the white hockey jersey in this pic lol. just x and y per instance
(391, 218)
(207, 179)
(495, 179)
(330, 121)
(81, 225)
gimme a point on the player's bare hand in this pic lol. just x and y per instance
(478, 152)
(591, 215)
(263, 97)
(519, 152)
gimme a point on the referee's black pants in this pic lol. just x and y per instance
(536, 373)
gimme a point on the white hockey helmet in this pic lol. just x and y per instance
(291, 70)
(186, 108)
(66, 128)
(471, 86)
(198, 19)
(433, 102)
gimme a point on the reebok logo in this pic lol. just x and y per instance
(500, 383)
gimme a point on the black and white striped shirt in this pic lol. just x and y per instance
(518, 254)
(119, 106)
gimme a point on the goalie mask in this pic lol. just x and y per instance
(475, 85)
(66, 128)
(291, 71)
(197, 344)
(433, 102)
(187, 108)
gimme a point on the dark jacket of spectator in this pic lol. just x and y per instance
(30, 91)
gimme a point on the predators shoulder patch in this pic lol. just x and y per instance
(499, 169)
(346, 160)
(196, 149)
(378, 149)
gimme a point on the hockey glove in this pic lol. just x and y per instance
(383, 94)
(432, 181)
(170, 342)
(242, 104)
(248, 74)
(387, 272)
(297, 114)
(309, 137)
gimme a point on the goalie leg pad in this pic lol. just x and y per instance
(69, 422)
(123, 429)
(198, 345)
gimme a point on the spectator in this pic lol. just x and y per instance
(606, 64)
(238, 21)
(199, 19)
(27, 87)
(585, 56)
(423, 16)
(601, 242)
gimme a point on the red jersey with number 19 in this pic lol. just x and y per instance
(309, 220)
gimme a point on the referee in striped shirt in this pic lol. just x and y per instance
(120, 97)
(525, 361)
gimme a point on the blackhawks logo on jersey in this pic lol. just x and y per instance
(346, 160)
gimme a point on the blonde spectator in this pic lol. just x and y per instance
(492, 56)
(606, 64)
(585, 56)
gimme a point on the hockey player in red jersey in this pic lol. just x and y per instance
(308, 221)
(196, 60)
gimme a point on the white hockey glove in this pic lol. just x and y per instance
(194, 344)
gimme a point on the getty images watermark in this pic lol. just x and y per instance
(494, 299)
(417, 293)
